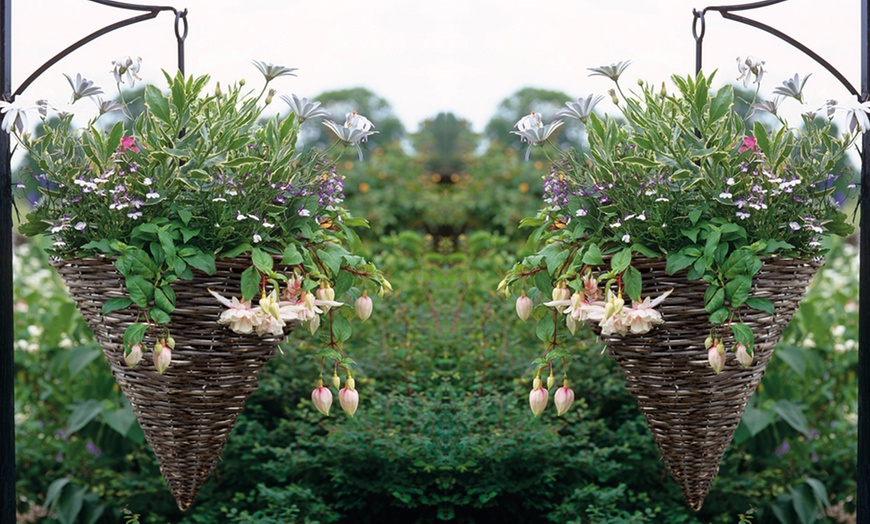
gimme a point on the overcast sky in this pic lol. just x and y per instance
(463, 56)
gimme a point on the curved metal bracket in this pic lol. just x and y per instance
(151, 12)
(726, 12)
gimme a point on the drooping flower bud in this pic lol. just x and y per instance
(538, 400)
(561, 292)
(134, 356)
(716, 357)
(708, 342)
(322, 398)
(313, 324)
(350, 383)
(524, 307)
(170, 342)
(743, 356)
(613, 97)
(325, 292)
(563, 398)
(336, 382)
(363, 307)
(162, 357)
(348, 398)
(536, 384)
(551, 380)
(217, 89)
(571, 323)
(269, 96)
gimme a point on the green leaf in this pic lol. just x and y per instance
(678, 261)
(164, 301)
(795, 357)
(737, 290)
(80, 357)
(756, 419)
(203, 262)
(250, 283)
(761, 304)
(555, 261)
(592, 256)
(121, 420)
(185, 216)
(543, 283)
(134, 334)
(157, 315)
(82, 414)
(716, 300)
(720, 315)
(157, 104)
(695, 214)
(545, 328)
(721, 103)
(140, 290)
(101, 245)
(632, 281)
(236, 251)
(621, 260)
(639, 161)
(792, 414)
(341, 328)
(262, 260)
(330, 260)
(761, 138)
(241, 161)
(115, 304)
(743, 335)
(343, 283)
(291, 256)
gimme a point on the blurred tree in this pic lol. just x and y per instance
(363, 101)
(445, 144)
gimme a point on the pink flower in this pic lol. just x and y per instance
(538, 400)
(563, 399)
(348, 397)
(293, 290)
(716, 357)
(524, 307)
(128, 142)
(241, 317)
(590, 289)
(162, 357)
(641, 317)
(134, 356)
(322, 398)
(743, 356)
(749, 144)
(363, 307)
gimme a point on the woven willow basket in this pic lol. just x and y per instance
(691, 411)
(187, 413)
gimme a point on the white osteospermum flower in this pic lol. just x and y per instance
(531, 121)
(14, 116)
(750, 67)
(856, 116)
(126, 67)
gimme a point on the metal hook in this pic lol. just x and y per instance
(181, 36)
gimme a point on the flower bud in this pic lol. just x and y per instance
(363, 307)
(536, 384)
(708, 342)
(613, 97)
(349, 399)
(217, 89)
(571, 322)
(170, 342)
(322, 398)
(563, 398)
(664, 91)
(336, 382)
(269, 96)
(551, 380)
(743, 356)
(242, 82)
(524, 307)
(716, 357)
(162, 357)
(314, 323)
(350, 383)
(134, 356)
(561, 292)
(618, 304)
(538, 400)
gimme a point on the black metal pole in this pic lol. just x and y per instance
(7, 358)
(863, 495)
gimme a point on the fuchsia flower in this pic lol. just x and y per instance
(134, 356)
(322, 398)
(162, 357)
(128, 142)
(363, 307)
(743, 356)
(716, 357)
(240, 316)
(563, 398)
(538, 398)
(524, 307)
(348, 397)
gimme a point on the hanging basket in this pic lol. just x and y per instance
(691, 411)
(188, 412)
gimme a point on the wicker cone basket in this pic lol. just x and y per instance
(691, 411)
(188, 412)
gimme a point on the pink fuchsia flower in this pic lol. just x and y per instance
(743, 356)
(641, 317)
(322, 398)
(134, 356)
(348, 397)
(749, 144)
(571, 324)
(524, 307)
(293, 291)
(363, 307)
(162, 357)
(538, 399)
(128, 142)
(590, 289)
(716, 357)
(240, 316)
(563, 398)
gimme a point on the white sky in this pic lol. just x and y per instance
(463, 56)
